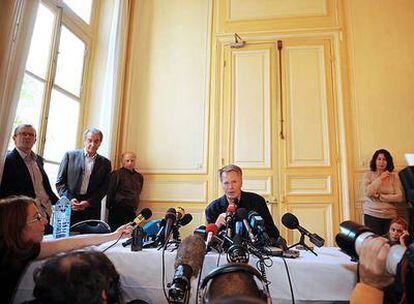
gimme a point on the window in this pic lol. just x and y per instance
(52, 90)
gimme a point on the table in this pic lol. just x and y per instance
(326, 278)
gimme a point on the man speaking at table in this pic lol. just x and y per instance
(231, 182)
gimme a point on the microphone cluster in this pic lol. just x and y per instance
(157, 233)
(244, 234)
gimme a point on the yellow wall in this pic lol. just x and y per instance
(179, 102)
(381, 75)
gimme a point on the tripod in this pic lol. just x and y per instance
(302, 243)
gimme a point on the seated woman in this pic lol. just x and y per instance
(21, 240)
(398, 232)
(382, 190)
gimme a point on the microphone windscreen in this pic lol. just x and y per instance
(170, 214)
(231, 208)
(152, 227)
(290, 221)
(186, 219)
(241, 214)
(191, 252)
(212, 228)
(146, 213)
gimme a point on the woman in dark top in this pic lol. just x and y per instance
(21, 240)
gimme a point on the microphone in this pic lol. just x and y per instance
(159, 237)
(238, 228)
(201, 230)
(237, 253)
(257, 224)
(188, 262)
(231, 209)
(152, 227)
(145, 214)
(292, 222)
(180, 213)
(170, 218)
(241, 214)
(211, 230)
(186, 219)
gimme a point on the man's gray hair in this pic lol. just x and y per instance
(16, 130)
(230, 168)
(93, 131)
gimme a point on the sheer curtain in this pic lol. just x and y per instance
(114, 78)
(108, 93)
(13, 63)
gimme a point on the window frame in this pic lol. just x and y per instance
(64, 16)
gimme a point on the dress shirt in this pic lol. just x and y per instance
(37, 180)
(86, 174)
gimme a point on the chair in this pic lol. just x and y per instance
(407, 180)
(90, 226)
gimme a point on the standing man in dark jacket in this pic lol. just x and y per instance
(125, 186)
(24, 173)
(83, 177)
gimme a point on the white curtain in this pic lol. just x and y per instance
(113, 83)
(12, 68)
(114, 78)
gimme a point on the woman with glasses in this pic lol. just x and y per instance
(21, 240)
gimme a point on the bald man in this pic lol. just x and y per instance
(125, 187)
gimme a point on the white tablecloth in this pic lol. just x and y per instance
(328, 277)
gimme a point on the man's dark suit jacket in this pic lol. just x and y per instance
(69, 179)
(17, 180)
(250, 201)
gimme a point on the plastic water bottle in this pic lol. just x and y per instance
(61, 218)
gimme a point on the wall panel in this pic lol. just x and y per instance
(166, 116)
(315, 218)
(266, 15)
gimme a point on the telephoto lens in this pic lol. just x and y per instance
(351, 237)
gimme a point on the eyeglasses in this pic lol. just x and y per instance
(38, 218)
(26, 134)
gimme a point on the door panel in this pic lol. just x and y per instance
(297, 173)
(310, 171)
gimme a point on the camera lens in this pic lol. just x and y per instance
(351, 236)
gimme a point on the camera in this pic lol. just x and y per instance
(400, 260)
(351, 237)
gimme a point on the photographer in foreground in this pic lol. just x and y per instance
(374, 286)
(372, 272)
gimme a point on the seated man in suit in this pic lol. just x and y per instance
(24, 174)
(83, 177)
(231, 182)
